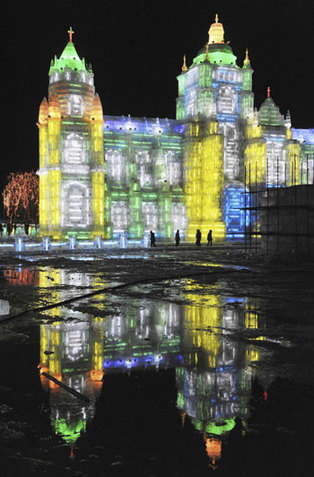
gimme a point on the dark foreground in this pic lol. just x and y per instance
(193, 362)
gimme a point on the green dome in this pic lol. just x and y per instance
(218, 53)
(68, 59)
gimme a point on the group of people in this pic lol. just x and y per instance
(177, 238)
(199, 237)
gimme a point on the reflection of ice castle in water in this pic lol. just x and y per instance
(214, 383)
(162, 174)
(213, 376)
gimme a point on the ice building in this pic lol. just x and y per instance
(71, 155)
(110, 175)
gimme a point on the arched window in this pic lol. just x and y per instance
(76, 105)
(226, 100)
(116, 165)
(75, 205)
(74, 149)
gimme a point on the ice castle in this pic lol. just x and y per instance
(111, 175)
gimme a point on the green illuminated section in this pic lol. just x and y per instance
(205, 75)
(69, 432)
(269, 114)
(247, 80)
(219, 428)
(137, 226)
(68, 59)
(220, 54)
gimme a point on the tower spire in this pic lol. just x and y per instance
(184, 67)
(216, 18)
(268, 91)
(246, 62)
(70, 32)
(206, 54)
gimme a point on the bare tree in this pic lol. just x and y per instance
(21, 197)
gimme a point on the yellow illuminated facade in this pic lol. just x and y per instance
(204, 180)
(203, 321)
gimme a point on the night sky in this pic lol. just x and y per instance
(136, 50)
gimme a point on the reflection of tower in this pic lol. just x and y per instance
(215, 383)
(75, 358)
(71, 150)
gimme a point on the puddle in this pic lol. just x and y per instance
(170, 388)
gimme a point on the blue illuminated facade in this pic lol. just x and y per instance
(234, 212)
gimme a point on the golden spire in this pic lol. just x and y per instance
(216, 18)
(206, 54)
(247, 59)
(184, 67)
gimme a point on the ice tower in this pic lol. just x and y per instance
(215, 99)
(71, 171)
(272, 157)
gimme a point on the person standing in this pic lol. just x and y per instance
(198, 238)
(152, 239)
(177, 238)
(210, 237)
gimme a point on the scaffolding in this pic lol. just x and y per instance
(280, 217)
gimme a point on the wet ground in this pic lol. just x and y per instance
(188, 362)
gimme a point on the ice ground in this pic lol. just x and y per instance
(283, 297)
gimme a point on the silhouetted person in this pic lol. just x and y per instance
(177, 238)
(9, 228)
(198, 237)
(152, 239)
(210, 237)
(1, 229)
(26, 228)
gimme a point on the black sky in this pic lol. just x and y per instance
(136, 50)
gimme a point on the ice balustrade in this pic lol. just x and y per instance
(21, 244)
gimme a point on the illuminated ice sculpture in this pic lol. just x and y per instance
(71, 172)
(121, 176)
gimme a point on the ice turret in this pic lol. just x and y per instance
(288, 120)
(96, 112)
(54, 108)
(43, 112)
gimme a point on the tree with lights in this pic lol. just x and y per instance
(21, 197)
